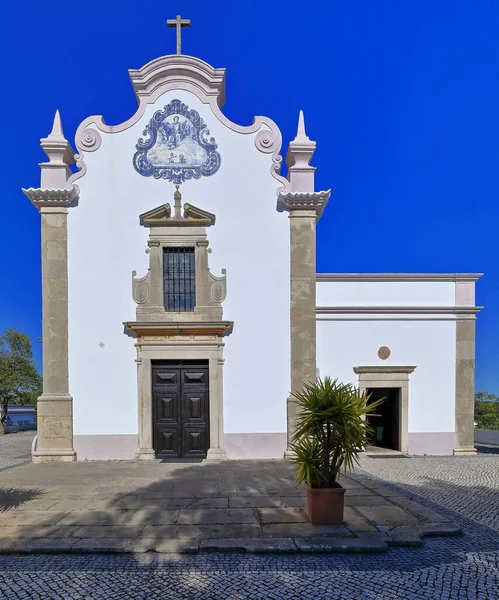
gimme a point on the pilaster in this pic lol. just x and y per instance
(55, 405)
(465, 386)
(305, 208)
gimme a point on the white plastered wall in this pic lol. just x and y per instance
(426, 341)
(250, 239)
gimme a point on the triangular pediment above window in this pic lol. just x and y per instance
(192, 216)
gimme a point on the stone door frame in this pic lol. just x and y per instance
(390, 377)
(158, 348)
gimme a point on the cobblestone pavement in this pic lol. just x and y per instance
(456, 568)
(15, 449)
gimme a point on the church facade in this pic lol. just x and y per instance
(181, 303)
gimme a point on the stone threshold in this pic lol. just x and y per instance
(370, 542)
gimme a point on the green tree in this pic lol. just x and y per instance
(486, 410)
(20, 382)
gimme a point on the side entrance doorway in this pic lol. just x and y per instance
(180, 394)
(386, 425)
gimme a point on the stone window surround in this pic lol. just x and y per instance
(390, 377)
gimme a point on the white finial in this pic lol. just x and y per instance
(300, 132)
(57, 126)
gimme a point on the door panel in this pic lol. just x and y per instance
(180, 410)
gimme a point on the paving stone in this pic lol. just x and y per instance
(304, 529)
(113, 545)
(29, 545)
(405, 535)
(365, 500)
(97, 517)
(387, 515)
(256, 502)
(356, 522)
(178, 546)
(218, 531)
(16, 532)
(253, 545)
(209, 503)
(428, 529)
(357, 544)
(282, 515)
(419, 511)
(208, 516)
(153, 517)
(114, 532)
(28, 518)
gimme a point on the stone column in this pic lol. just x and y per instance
(465, 386)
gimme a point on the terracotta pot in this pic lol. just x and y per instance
(325, 505)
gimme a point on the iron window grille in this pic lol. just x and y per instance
(179, 279)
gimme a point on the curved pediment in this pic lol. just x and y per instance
(185, 71)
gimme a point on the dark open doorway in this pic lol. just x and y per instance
(386, 426)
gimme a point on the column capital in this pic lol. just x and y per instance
(62, 198)
(309, 201)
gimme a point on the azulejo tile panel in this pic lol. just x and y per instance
(176, 146)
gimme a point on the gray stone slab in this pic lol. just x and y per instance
(218, 531)
(282, 515)
(209, 503)
(284, 530)
(362, 543)
(178, 546)
(18, 517)
(256, 502)
(253, 545)
(405, 535)
(153, 517)
(419, 511)
(113, 545)
(387, 515)
(32, 531)
(45, 546)
(111, 532)
(97, 517)
(430, 529)
(355, 522)
(207, 516)
(366, 500)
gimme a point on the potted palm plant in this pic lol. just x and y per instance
(330, 432)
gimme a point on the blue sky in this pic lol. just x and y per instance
(402, 98)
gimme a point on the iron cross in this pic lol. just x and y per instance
(179, 23)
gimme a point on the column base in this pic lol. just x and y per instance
(216, 454)
(39, 456)
(465, 451)
(145, 454)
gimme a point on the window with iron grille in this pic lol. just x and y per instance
(179, 279)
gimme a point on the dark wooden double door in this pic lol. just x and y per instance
(180, 409)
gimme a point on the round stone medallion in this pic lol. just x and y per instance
(384, 352)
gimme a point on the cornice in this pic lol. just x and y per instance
(398, 310)
(63, 197)
(383, 369)
(303, 201)
(324, 277)
(218, 328)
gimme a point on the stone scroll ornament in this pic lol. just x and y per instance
(176, 146)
